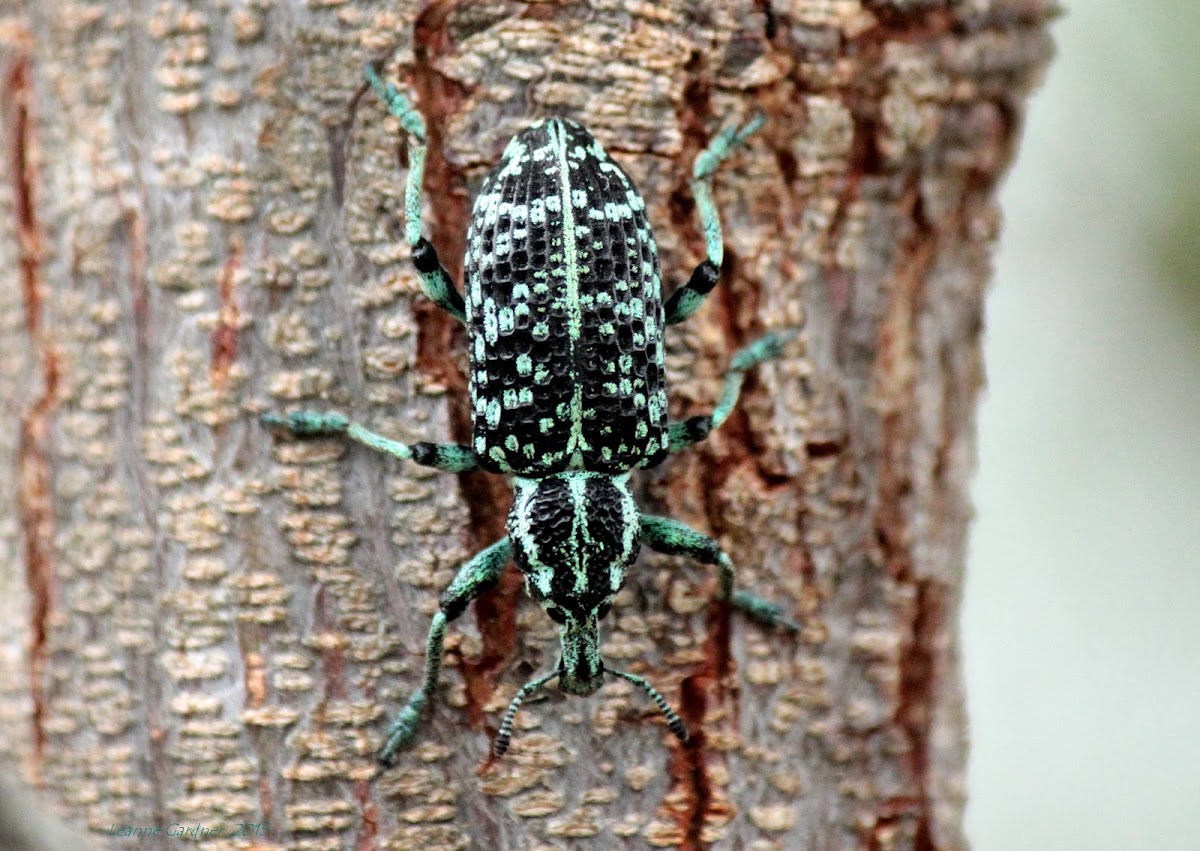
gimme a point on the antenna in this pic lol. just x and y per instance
(504, 737)
(673, 721)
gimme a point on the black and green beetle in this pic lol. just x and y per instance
(565, 319)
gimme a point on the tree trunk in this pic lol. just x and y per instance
(204, 624)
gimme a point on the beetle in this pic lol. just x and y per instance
(565, 319)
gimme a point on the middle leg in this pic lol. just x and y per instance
(685, 433)
(450, 457)
(664, 535)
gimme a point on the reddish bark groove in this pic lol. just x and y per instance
(224, 341)
(35, 471)
(689, 768)
(19, 92)
(266, 799)
(919, 671)
(369, 830)
(34, 499)
(333, 661)
(919, 24)
(892, 532)
(895, 814)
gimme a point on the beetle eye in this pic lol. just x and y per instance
(603, 610)
(556, 614)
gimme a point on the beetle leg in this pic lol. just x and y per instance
(664, 535)
(688, 298)
(473, 578)
(685, 433)
(450, 457)
(435, 281)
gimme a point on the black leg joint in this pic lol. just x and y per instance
(424, 453)
(698, 427)
(424, 257)
(453, 606)
(711, 553)
(704, 278)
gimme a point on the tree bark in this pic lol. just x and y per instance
(201, 623)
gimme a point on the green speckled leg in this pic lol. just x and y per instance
(688, 298)
(450, 457)
(434, 279)
(475, 577)
(691, 431)
(664, 535)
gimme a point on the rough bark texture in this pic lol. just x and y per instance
(200, 623)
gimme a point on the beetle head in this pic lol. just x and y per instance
(574, 536)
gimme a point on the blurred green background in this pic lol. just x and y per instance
(1082, 615)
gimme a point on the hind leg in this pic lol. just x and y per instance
(475, 577)
(664, 535)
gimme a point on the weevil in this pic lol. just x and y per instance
(565, 317)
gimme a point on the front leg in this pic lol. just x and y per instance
(450, 457)
(664, 535)
(435, 280)
(475, 577)
(688, 298)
